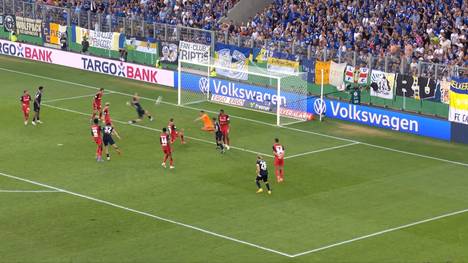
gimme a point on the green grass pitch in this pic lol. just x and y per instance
(351, 193)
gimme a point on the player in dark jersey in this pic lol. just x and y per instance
(140, 111)
(174, 132)
(25, 101)
(97, 104)
(96, 134)
(218, 136)
(107, 119)
(224, 122)
(108, 131)
(262, 175)
(164, 140)
(37, 106)
(278, 151)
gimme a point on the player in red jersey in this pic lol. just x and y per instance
(107, 119)
(174, 132)
(224, 123)
(97, 108)
(278, 151)
(166, 148)
(25, 101)
(96, 134)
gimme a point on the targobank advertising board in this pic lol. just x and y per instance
(397, 121)
(89, 63)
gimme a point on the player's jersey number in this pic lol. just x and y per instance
(107, 130)
(279, 149)
(263, 166)
(163, 140)
(95, 132)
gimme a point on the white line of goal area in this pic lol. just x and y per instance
(167, 220)
(251, 120)
(57, 189)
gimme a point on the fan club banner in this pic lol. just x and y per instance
(308, 65)
(382, 84)
(52, 32)
(9, 23)
(146, 46)
(97, 39)
(336, 73)
(168, 52)
(415, 87)
(232, 57)
(356, 75)
(194, 52)
(325, 67)
(458, 111)
(28, 26)
(282, 65)
(444, 91)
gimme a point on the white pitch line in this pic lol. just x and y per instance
(321, 150)
(154, 129)
(70, 98)
(167, 220)
(29, 191)
(380, 233)
(247, 119)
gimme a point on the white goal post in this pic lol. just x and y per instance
(281, 94)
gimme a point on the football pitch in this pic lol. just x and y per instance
(351, 193)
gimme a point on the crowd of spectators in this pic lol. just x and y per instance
(429, 30)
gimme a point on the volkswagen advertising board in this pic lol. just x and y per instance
(387, 119)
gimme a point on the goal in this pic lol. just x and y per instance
(252, 88)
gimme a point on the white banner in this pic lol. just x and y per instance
(336, 73)
(225, 60)
(194, 52)
(88, 63)
(382, 84)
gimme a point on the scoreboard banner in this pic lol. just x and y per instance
(458, 111)
(28, 26)
(88, 63)
(194, 52)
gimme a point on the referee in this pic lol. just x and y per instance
(37, 105)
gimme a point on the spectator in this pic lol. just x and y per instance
(63, 41)
(85, 45)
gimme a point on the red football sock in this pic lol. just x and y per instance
(277, 173)
(182, 138)
(282, 174)
(165, 158)
(172, 161)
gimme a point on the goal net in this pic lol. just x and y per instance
(281, 94)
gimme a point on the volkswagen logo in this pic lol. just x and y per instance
(319, 106)
(204, 85)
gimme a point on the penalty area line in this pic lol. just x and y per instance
(29, 191)
(321, 150)
(381, 232)
(73, 98)
(158, 130)
(167, 220)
